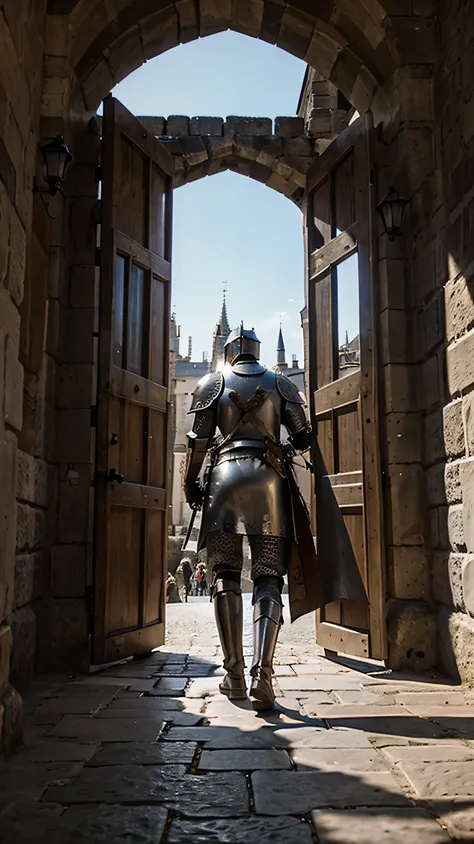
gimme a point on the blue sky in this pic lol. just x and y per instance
(228, 228)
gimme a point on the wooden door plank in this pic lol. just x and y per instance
(138, 495)
(343, 640)
(144, 257)
(345, 391)
(138, 390)
(341, 247)
(349, 495)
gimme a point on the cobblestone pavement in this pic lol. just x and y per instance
(148, 752)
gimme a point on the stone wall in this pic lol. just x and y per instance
(21, 37)
(448, 311)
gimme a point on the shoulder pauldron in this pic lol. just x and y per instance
(208, 390)
(289, 391)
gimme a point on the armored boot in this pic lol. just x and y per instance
(227, 598)
(267, 620)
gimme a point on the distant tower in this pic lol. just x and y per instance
(281, 357)
(221, 333)
(175, 334)
(190, 347)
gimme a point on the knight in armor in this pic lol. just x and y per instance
(251, 490)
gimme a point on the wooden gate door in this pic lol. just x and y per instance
(343, 375)
(133, 410)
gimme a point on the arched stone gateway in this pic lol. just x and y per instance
(354, 44)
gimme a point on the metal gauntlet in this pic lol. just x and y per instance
(194, 459)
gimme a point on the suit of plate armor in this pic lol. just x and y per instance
(246, 493)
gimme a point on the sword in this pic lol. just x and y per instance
(190, 526)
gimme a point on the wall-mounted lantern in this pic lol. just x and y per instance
(56, 157)
(391, 209)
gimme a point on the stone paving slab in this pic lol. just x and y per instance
(322, 682)
(181, 719)
(244, 760)
(107, 729)
(144, 753)
(226, 738)
(76, 705)
(23, 781)
(214, 796)
(56, 751)
(203, 687)
(457, 815)
(387, 826)
(348, 759)
(408, 726)
(87, 824)
(291, 793)
(145, 704)
(430, 753)
(247, 831)
(438, 780)
(170, 686)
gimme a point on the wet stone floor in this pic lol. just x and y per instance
(148, 752)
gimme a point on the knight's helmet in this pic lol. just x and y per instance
(240, 342)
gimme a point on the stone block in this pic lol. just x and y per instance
(31, 524)
(177, 125)
(468, 422)
(400, 391)
(13, 400)
(392, 277)
(467, 487)
(9, 317)
(74, 499)
(83, 286)
(431, 327)
(406, 504)
(158, 32)
(320, 123)
(68, 571)
(394, 346)
(408, 572)
(295, 34)
(435, 485)
(446, 577)
(432, 383)
(468, 584)
(404, 437)
(32, 479)
(459, 306)
(51, 823)
(206, 126)
(73, 436)
(456, 644)
(434, 438)
(289, 127)
(23, 659)
(460, 364)
(17, 262)
(456, 528)
(289, 793)
(452, 482)
(282, 830)
(74, 387)
(412, 636)
(77, 336)
(155, 125)
(454, 428)
(12, 728)
(248, 126)
(8, 528)
(28, 572)
(6, 640)
(391, 826)
(64, 635)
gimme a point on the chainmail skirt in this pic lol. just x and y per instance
(269, 553)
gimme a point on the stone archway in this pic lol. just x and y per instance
(352, 44)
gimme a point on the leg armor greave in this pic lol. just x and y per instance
(227, 598)
(267, 620)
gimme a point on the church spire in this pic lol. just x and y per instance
(281, 357)
(224, 322)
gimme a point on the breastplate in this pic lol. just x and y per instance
(245, 383)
